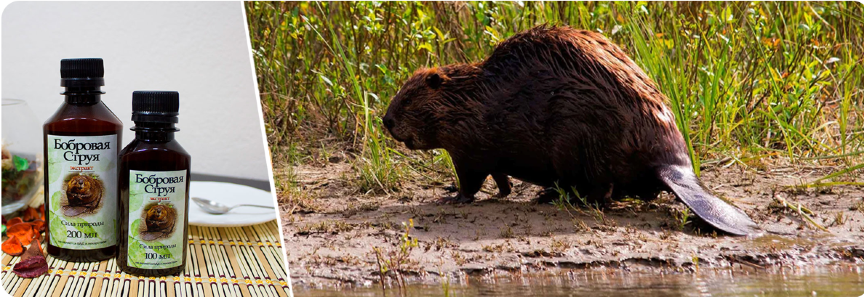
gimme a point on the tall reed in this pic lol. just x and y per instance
(746, 80)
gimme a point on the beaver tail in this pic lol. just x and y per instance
(684, 183)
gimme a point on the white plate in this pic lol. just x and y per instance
(230, 194)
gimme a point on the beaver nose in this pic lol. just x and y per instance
(389, 122)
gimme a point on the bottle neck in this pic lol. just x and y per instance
(83, 95)
(154, 132)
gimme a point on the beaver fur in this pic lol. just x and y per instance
(159, 221)
(83, 194)
(555, 106)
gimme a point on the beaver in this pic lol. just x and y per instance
(555, 106)
(159, 221)
(83, 194)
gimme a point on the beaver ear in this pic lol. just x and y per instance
(434, 80)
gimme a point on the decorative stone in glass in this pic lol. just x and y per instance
(21, 155)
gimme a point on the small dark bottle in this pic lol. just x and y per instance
(154, 190)
(81, 144)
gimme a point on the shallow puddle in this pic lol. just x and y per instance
(845, 281)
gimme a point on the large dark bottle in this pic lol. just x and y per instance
(154, 190)
(81, 144)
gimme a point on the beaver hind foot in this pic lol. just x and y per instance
(687, 187)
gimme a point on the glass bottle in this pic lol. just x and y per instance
(154, 190)
(81, 142)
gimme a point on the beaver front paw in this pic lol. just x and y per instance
(458, 199)
(547, 195)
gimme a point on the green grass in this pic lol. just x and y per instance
(746, 80)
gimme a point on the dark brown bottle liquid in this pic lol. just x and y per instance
(154, 190)
(81, 140)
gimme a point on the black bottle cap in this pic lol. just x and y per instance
(82, 72)
(155, 106)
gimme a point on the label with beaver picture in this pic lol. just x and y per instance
(82, 187)
(157, 201)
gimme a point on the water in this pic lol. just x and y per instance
(839, 281)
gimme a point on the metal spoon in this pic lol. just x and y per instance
(214, 207)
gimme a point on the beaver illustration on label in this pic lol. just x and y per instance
(159, 222)
(83, 194)
(555, 106)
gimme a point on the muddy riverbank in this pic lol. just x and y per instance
(337, 237)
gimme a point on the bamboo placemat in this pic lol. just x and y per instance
(231, 261)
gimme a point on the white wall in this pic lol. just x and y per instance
(196, 48)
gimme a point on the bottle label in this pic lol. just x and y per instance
(157, 202)
(82, 188)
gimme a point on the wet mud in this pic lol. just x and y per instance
(339, 237)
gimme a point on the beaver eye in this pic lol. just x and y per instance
(406, 102)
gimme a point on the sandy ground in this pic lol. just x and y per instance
(332, 241)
